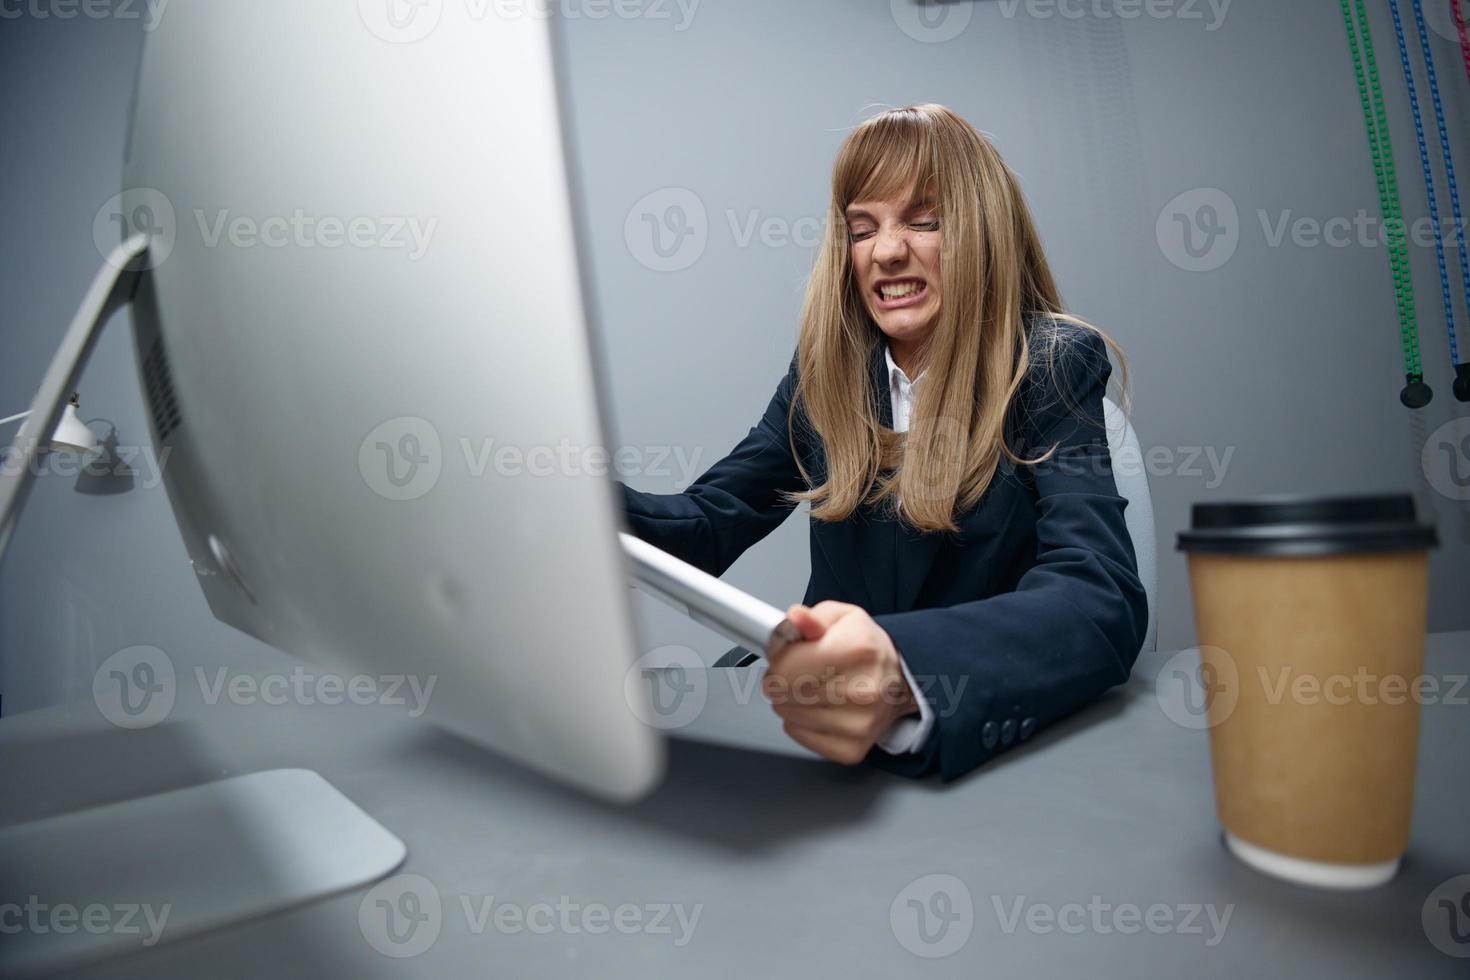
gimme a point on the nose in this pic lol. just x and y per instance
(891, 248)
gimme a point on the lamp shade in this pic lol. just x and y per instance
(71, 434)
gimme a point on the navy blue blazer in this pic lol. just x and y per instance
(1029, 611)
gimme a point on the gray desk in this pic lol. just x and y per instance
(797, 867)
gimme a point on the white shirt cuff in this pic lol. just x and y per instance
(909, 734)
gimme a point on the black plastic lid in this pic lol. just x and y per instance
(1302, 525)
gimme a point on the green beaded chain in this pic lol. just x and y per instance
(1416, 393)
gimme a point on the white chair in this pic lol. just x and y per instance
(1132, 479)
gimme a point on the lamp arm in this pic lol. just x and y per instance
(15, 418)
(113, 288)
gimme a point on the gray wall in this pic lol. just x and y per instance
(1280, 362)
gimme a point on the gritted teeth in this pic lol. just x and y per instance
(899, 288)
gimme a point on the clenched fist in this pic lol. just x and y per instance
(841, 688)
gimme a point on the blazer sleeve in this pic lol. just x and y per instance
(997, 669)
(734, 503)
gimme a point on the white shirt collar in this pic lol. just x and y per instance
(900, 392)
(895, 373)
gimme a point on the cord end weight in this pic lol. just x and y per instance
(1416, 393)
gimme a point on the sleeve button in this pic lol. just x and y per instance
(988, 735)
(1008, 732)
(1028, 726)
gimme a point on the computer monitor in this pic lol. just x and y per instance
(364, 342)
(348, 241)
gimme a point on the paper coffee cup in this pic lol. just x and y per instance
(1311, 619)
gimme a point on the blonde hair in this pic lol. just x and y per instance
(994, 276)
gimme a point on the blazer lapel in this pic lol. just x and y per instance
(893, 559)
(913, 552)
(874, 534)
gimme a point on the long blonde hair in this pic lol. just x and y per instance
(994, 276)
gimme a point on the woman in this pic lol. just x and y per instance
(972, 575)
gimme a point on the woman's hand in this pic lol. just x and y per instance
(842, 687)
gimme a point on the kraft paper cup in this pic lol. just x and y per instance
(1311, 620)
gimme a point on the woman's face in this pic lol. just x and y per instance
(895, 259)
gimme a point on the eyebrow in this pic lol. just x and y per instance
(928, 202)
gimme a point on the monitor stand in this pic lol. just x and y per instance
(183, 861)
(162, 867)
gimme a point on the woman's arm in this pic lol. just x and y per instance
(734, 503)
(998, 669)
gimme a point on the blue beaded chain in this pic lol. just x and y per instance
(1428, 169)
(1462, 382)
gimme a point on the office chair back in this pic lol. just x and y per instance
(1132, 480)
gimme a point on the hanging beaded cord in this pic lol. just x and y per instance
(1457, 7)
(1462, 368)
(1416, 393)
(1427, 165)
